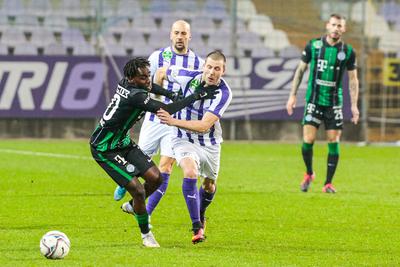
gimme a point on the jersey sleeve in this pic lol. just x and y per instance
(179, 75)
(153, 58)
(306, 54)
(145, 102)
(352, 62)
(221, 102)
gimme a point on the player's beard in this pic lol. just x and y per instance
(180, 49)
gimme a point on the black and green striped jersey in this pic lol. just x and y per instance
(128, 106)
(327, 66)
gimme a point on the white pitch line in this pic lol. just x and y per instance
(43, 154)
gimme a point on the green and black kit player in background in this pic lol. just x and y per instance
(112, 147)
(328, 57)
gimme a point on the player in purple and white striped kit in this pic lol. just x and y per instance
(155, 136)
(198, 135)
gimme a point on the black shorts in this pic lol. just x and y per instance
(123, 164)
(331, 116)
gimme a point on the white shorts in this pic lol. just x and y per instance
(155, 137)
(206, 157)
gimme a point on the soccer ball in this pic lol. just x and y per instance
(54, 245)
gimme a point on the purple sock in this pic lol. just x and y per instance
(191, 194)
(205, 199)
(155, 198)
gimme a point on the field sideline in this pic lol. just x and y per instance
(259, 216)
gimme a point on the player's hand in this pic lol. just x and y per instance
(206, 92)
(175, 96)
(291, 104)
(164, 117)
(356, 114)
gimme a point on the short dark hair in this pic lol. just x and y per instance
(131, 68)
(337, 16)
(216, 55)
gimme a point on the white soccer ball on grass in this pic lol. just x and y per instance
(54, 245)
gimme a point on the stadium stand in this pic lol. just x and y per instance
(56, 23)
(27, 23)
(3, 49)
(131, 12)
(55, 49)
(12, 36)
(25, 49)
(13, 8)
(40, 8)
(246, 10)
(42, 37)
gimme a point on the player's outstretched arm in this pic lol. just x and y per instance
(200, 126)
(158, 90)
(298, 76)
(144, 102)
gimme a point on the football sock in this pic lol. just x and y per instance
(205, 200)
(333, 159)
(155, 198)
(307, 151)
(143, 221)
(191, 195)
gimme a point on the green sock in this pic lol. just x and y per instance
(143, 221)
(307, 152)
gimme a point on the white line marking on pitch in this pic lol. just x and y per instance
(44, 154)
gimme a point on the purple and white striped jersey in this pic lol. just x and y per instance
(189, 80)
(167, 57)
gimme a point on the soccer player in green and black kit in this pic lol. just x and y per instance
(117, 154)
(328, 57)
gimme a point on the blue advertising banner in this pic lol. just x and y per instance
(76, 87)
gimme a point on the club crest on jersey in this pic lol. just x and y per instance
(130, 168)
(318, 44)
(122, 91)
(341, 56)
(167, 55)
(194, 84)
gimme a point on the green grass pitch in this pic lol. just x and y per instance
(259, 216)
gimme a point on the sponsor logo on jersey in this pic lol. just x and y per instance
(122, 91)
(194, 84)
(167, 55)
(325, 83)
(318, 44)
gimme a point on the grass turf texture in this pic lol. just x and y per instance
(259, 216)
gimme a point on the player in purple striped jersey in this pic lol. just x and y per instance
(198, 135)
(155, 136)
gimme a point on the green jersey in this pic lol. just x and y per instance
(327, 66)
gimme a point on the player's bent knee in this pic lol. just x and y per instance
(209, 185)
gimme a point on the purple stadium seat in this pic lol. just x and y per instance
(72, 37)
(39, 8)
(129, 8)
(3, 49)
(56, 23)
(249, 40)
(203, 24)
(13, 36)
(262, 52)
(132, 38)
(13, 7)
(27, 23)
(55, 49)
(117, 25)
(160, 8)
(115, 50)
(42, 37)
(83, 50)
(25, 49)
(215, 9)
(145, 24)
(390, 11)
